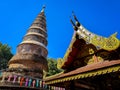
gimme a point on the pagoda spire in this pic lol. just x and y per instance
(43, 8)
(31, 55)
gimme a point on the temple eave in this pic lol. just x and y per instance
(85, 72)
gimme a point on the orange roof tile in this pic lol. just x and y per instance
(88, 68)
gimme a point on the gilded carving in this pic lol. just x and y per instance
(60, 62)
(87, 74)
(91, 51)
(90, 61)
(94, 59)
(109, 44)
(104, 54)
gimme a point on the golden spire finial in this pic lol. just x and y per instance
(72, 22)
(43, 8)
(74, 26)
(77, 22)
(74, 16)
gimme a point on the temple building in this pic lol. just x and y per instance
(91, 62)
(26, 68)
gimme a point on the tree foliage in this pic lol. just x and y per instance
(52, 65)
(5, 55)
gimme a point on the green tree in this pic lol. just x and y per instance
(52, 65)
(5, 55)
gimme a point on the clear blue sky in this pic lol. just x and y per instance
(99, 16)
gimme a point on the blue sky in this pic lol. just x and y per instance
(99, 16)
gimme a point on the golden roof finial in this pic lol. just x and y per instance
(77, 22)
(43, 8)
(72, 22)
(74, 16)
(74, 26)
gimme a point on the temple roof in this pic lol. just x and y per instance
(86, 71)
(86, 44)
(110, 43)
(81, 37)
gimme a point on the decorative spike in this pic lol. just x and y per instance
(77, 22)
(74, 26)
(74, 16)
(72, 22)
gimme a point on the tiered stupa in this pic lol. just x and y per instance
(26, 67)
(30, 58)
